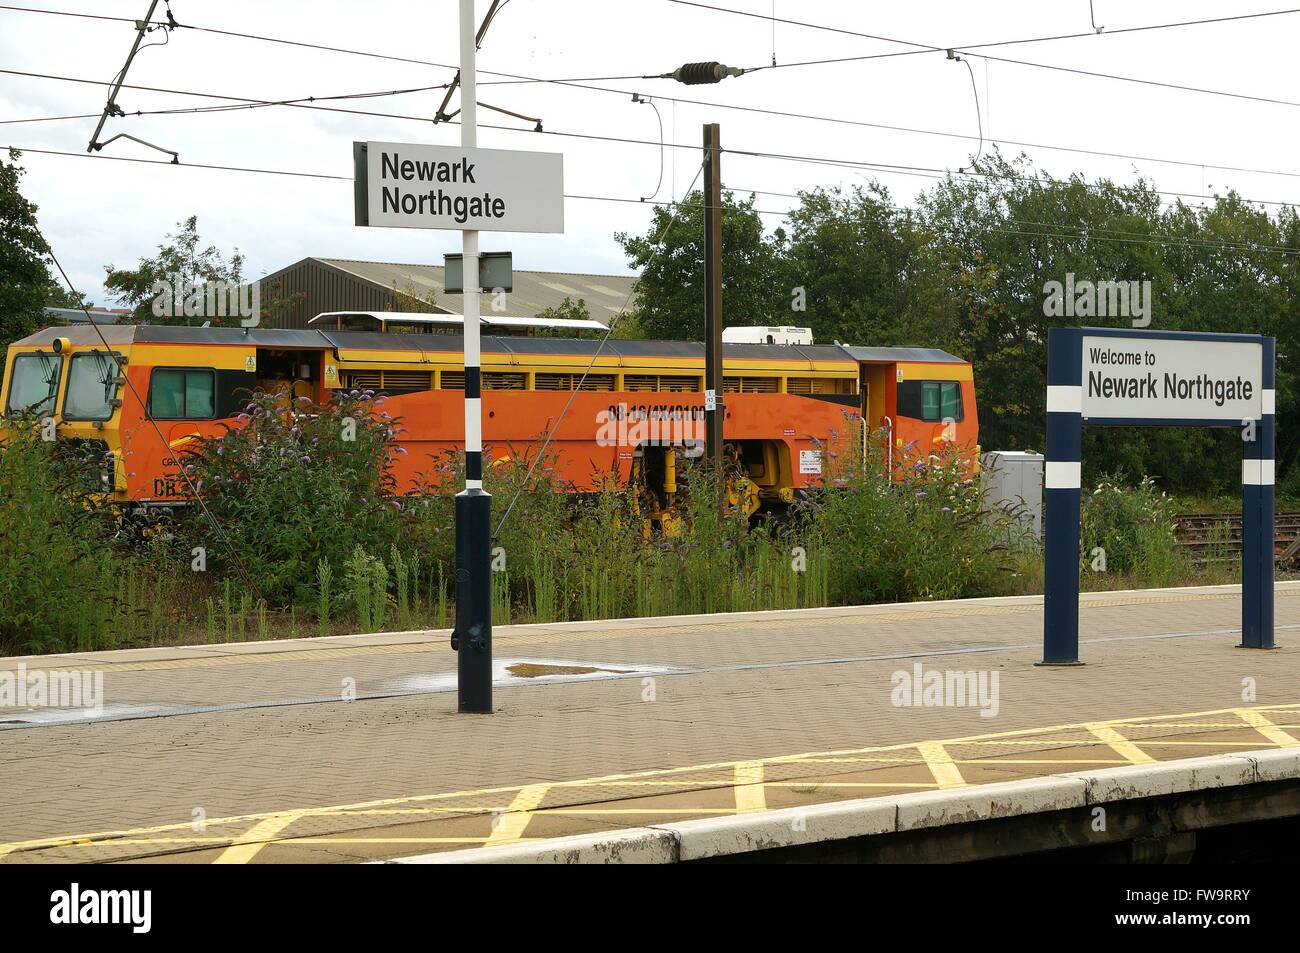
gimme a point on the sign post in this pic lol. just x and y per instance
(403, 185)
(472, 636)
(1119, 377)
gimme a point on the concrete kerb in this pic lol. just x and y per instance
(823, 823)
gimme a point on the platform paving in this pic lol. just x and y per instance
(257, 752)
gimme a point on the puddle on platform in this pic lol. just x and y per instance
(538, 670)
(505, 672)
(524, 671)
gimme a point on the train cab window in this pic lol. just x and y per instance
(950, 407)
(931, 401)
(35, 382)
(92, 386)
(182, 394)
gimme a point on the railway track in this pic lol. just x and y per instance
(1214, 537)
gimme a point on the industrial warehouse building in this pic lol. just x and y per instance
(317, 285)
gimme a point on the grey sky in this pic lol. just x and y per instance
(98, 212)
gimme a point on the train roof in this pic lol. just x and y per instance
(124, 335)
(889, 355)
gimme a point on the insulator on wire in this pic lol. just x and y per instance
(695, 74)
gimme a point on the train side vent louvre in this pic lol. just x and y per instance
(679, 384)
(453, 380)
(365, 380)
(505, 380)
(815, 385)
(569, 381)
(750, 385)
(407, 382)
(676, 383)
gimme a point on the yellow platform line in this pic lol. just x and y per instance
(1123, 747)
(750, 794)
(250, 844)
(1268, 729)
(511, 825)
(1040, 735)
(941, 765)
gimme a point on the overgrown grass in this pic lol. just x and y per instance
(77, 575)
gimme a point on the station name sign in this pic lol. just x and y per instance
(404, 185)
(1172, 379)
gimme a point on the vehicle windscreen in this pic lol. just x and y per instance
(35, 383)
(92, 385)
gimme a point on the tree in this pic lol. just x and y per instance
(1227, 266)
(865, 272)
(1001, 236)
(670, 260)
(59, 296)
(179, 260)
(25, 280)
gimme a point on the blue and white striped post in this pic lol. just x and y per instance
(1062, 486)
(472, 636)
(1151, 398)
(1257, 532)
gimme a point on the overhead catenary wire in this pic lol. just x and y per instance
(979, 119)
(302, 175)
(921, 48)
(305, 102)
(752, 109)
(891, 168)
(918, 48)
(625, 200)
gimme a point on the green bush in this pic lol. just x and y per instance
(1135, 528)
(921, 536)
(58, 579)
(290, 489)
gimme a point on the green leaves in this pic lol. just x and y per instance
(290, 491)
(25, 280)
(965, 270)
(179, 259)
(670, 260)
(57, 589)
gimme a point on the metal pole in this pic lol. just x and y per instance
(713, 408)
(1257, 528)
(472, 637)
(1062, 489)
(141, 27)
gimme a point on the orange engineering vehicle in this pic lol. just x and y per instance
(638, 411)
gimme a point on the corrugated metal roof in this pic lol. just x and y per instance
(534, 291)
(445, 343)
(375, 340)
(450, 319)
(888, 355)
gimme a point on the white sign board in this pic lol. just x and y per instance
(1171, 379)
(810, 461)
(402, 185)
